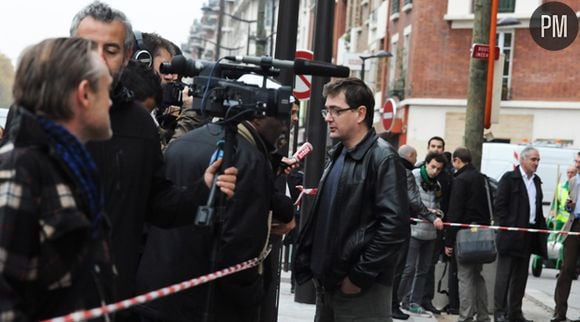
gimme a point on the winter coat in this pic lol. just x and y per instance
(371, 217)
(53, 259)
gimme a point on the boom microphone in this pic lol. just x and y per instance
(300, 66)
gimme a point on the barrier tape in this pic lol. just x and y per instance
(529, 230)
(307, 191)
(153, 295)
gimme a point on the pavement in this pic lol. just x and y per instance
(538, 302)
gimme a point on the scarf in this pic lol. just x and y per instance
(78, 160)
(430, 184)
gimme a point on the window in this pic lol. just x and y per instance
(393, 64)
(408, 2)
(506, 6)
(395, 7)
(505, 43)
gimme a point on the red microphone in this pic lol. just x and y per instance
(302, 152)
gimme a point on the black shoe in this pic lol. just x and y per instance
(499, 317)
(399, 315)
(429, 307)
(521, 319)
(452, 311)
(558, 319)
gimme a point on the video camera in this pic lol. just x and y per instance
(216, 92)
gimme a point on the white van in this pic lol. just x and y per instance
(498, 158)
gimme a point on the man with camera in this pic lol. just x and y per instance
(360, 219)
(239, 233)
(131, 165)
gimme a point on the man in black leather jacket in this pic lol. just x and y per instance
(359, 221)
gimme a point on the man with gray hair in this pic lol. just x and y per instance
(518, 204)
(53, 238)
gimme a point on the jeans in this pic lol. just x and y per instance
(416, 269)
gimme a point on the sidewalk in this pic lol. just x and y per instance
(536, 306)
(290, 311)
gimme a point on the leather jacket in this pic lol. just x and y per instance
(371, 217)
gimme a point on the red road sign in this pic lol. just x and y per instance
(389, 113)
(302, 84)
(481, 51)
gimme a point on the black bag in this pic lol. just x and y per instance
(475, 246)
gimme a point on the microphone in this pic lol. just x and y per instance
(300, 66)
(302, 152)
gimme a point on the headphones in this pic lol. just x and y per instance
(141, 54)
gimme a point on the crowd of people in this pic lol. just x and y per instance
(105, 162)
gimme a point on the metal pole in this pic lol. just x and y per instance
(219, 30)
(248, 41)
(490, 64)
(316, 128)
(362, 72)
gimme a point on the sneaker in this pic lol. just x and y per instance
(417, 309)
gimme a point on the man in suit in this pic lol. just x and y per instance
(571, 249)
(518, 204)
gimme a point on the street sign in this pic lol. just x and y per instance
(303, 83)
(481, 51)
(389, 113)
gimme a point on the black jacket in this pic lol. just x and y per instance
(131, 168)
(468, 203)
(54, 259)
(179, 254)
(372, 217)
(512, 209)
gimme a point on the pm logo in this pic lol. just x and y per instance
(554, 26)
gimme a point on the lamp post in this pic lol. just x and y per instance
(378, 54)
(247, 21)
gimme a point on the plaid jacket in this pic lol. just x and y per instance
(50, 261)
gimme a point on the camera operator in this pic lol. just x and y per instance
(243, 228)
(131, 165)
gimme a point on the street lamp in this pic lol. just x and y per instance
(221, 12)
(378, 54)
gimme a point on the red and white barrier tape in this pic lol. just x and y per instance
(308, 191)
(529, 230)
(166, 291)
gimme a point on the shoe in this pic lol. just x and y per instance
(499, 317)
(429, 307)
(521, 319)
(452, 311)
(399, 315)
(558, 319)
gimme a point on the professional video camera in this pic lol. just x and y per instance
(216, 92)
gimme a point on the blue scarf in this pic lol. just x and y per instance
(79, 161)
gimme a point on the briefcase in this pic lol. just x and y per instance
(475, 246)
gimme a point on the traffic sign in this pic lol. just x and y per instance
(389, 113)
(303, 83)
(481, 51)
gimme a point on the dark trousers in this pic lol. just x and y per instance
(567, 271)
(452, 290)
(399, 267)
(370, 305)
(510, 285)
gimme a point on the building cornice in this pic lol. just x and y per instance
(512, 104)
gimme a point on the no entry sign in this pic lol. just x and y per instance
(303, 83)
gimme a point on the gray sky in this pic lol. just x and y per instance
(25, 22)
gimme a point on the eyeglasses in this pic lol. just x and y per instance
(335, 112)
